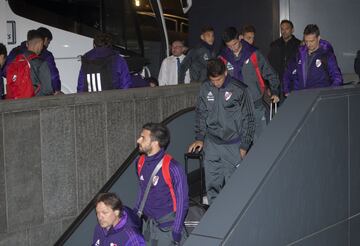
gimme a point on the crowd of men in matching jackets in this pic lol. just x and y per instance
(230, 115)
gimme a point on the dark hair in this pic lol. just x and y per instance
(312, 29)
(205, 29)
(45, 33)
(34, 34)
(110, 199)
(3, 50)
(158, 132)
(229, 34)
(248, 28)
(152, 80)
(215, 67)
(178, 40)
(287, 22)
(103, 40)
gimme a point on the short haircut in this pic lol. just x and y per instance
(152, 80)
(215, 67)
(45, 32)
(177, 40)
(248, 28)
(287, 22)
(103, 40)
(207, 28)
(229, 34)
(34, 34)
(158, 132)
(312, 29)
(3, 50)
(110, 199)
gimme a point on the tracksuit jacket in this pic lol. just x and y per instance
(319, 69)
(120, 72)
(196, 61)
(159, 202)
(242, 69)
(226, 114)
(281, 53)
(123, 234)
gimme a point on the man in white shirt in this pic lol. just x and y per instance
(168, 74)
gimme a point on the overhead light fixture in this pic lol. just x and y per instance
(137, 3)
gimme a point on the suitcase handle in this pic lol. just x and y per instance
(193, 155)
(196, 155)
(273, 112)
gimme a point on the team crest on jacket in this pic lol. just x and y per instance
(227, 95)
(210, 96)
(318, 62)
(294, 72)
(97, 242)
(155, 180)
(247, 61)
(206, 57)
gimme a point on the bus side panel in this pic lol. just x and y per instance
(65, 46)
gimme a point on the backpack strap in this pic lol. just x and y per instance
(140, 164)
(28, 59)
(167, 178)
(254, 61)
(147, 190)
(165, 172)
(324, 61)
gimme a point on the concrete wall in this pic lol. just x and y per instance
(57, 152)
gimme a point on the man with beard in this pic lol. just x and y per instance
(283, 49)
(163, 195)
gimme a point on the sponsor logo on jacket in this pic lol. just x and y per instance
(210, 96)
(229, 66)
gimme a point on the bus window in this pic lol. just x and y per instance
(84, 17)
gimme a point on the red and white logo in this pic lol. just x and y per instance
(227, 95)
(155, 180)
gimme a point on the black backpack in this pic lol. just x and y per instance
(98, 73)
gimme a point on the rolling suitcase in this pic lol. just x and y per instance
(196, 208)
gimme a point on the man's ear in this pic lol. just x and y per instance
(202, 37)
(117, 213)
(155, 144)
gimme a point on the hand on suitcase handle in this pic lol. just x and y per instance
(196, 146)
(243, 153)
(275, 99)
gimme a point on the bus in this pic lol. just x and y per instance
(138, 28)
